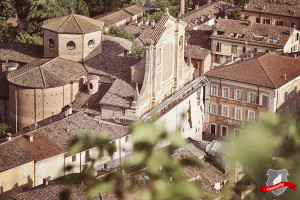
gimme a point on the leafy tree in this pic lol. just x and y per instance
(27, 38)
(165, 176)
(82, 8)
(162, 4)
(234, 14)
(240, 3)
(7, 10)
(4, 128)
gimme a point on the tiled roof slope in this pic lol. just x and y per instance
(290, 8)
(21, 52)
(258, 33)
(62, 132)
(41, 147)
(119, 15)
(267, 70)
(198, 43)
(73, 24)
(13, 155)
(46, 73)
(159, 29)
(115, 45)
(214, 10)
(52, 192)
(141, 33)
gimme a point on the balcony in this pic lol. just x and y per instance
(237, 123)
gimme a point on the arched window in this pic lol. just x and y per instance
(71, 45)
(91, 86)
(51, 43)
(91, 44)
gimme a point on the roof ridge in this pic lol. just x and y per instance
(89, 21)
(265, 70)
(63, 23)
(77, 23)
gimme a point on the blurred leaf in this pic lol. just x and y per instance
(65, 194)
(98, 189)
(78, 144)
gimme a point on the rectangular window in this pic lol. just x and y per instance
(244, 49)
(217, 58)
(238, 95)
(214, 90)
(279, 23)
(252, 97)
(251, 115)
(214, 108)
(73, 158)
(24, 171)
(266, 21)
(288, 93)
(258, 20)
(225, 111)
(237, 133)
(87, 156)
(287, 111)
(225, 92)
(295, 89)
(238, 114)
(234, 49)
(224, 131)
(264, 100)
(127, 138)
(213, 128)
(218, 46)
(294, 106)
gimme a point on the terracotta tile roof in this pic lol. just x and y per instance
(41, 147)
(290, 8)
(47, 72)
(141, 33)
(198, 42)
(13, 155)
(159, 29)
(62, 132)
(73, 24)
(267, 70)
(21, 52)
(114, 17)
(206, 12)
(257, 33)
(115, 45)
(52, 192)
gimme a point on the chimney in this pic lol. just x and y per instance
(208, 2)
(197, 7)
(8, 136)
(249, 23)
(46, 181)
(152, 23)
(294, 26)
(182, 4)
(284, 75)
(30, 137)
(125, 53)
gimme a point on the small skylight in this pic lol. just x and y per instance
(48, 129)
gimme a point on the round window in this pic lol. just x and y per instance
(51, 43)
(91, 44)
(71, 45)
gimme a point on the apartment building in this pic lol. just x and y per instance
(242, 91)
(273, 12)
(231, 38)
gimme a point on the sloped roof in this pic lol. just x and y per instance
(13, 155)
(289, 8)
(73, 23)
(257, 33)
(115, 45)
(267, 70)
(159, 29)
(21, 52)
(41, 147)
(46, 73)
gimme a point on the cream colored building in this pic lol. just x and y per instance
(245, 90)
(231, 38)
(16, 169)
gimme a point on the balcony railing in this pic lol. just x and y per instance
(238, 123)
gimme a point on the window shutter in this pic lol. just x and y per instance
(235, 93)
(248, 98)
(260, 100)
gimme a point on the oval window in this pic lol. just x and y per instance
(51, 43)
(91, 44)
(71, 45)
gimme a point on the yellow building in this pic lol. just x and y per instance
(16, 169)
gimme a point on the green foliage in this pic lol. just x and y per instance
(270, 144)
(234, 14)
(7, 10)
(4, 128)
(8, 33)
(97, 7)
(137, 49)
(166, 177)
(27, 38)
